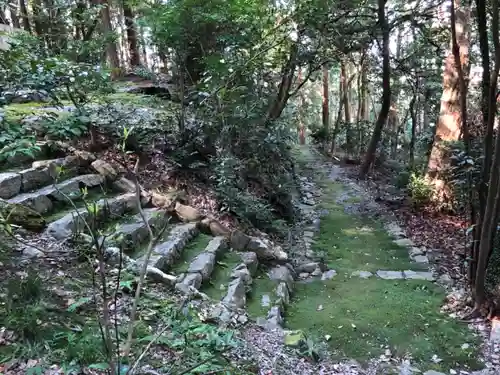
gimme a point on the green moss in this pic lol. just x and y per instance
(142, 101)
(261, 285)
(350, 243)
(363, 316)
(16, 112)
(217, 287)
(137, 99)
(193, 248)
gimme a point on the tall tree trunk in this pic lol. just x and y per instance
(450, 118)
(3, 18)
(336, 126)
(393, 121)
(25, 16)
(14, 15)
(287, 73)
(481, 19)
(491, 210)
(326, 99)
(361, 111)
(364, 105)
(488, 103)
(345, 91)
(426, 123)
(386, 93)
(111, 50)
(413, 115)
(131, 35)
(302, 129)
(38, 18)
(347, 108)
(143, 45)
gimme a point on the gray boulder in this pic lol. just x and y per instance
(241, 272)
(251, 261)
(282, 274)
(10, 184)
(239, 240)
(193, 279)
(265, 250)
(307, 267)
(218, 246)
(204, 264)
(35, 178)
(236, 294)
(105, 169)
(283, 294)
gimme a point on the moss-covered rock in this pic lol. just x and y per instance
(20, 215)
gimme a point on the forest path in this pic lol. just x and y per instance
(382, 302)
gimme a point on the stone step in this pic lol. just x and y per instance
(231, 309)
(103, 210)
(201, 267)
(131, 235)
(41, 174)
(166, 253)
(406, 275)
(44, 199)
(279, 299)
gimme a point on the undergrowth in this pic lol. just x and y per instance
(41, 325)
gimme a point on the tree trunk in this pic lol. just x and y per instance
(131, 35)
(25, 16)
(3, 18)
(347, 108)
(37, 17)
(488, 104)
(485, 57)
(111, 50)
(361, 110)
(336, 126)
(14, 15)
(386, 93)
(302, 130)
(413, 115)
(326, 106)
(491, 208)
(364, 104)
(143, 45)
(287, 73)
(326, 99)
(426, 109)
(450, 118)
(393, 121)
(345, 91)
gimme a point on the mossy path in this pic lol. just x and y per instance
(366, 318)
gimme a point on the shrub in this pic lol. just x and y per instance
(402, 179)
(420, 190)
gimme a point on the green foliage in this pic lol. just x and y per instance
(402, 179)
(228, 184)
(420, 189)
(24, 310)
(67, 127)
(321, 135)
(16, 140)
